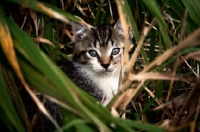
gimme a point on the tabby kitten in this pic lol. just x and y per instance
(97, 58)
(97, 55)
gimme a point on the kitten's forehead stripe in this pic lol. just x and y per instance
(112, 42)
(94, 43)
(95, 38)
(103, 34)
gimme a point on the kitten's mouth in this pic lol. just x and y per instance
(107, 70)
(103, 70)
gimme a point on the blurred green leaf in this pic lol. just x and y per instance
(146, 127)
(2, 11)
(193, 9)
(83, 128)
(7, 106)
(14, 93)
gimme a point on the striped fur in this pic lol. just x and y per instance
(97, 53)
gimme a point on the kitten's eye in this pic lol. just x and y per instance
(93, 53)
(115, 51)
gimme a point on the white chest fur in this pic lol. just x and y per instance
(109, 84)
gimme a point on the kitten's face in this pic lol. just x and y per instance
(99, 49)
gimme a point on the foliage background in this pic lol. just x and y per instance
(164, 63)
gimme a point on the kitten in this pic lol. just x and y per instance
(97, 55)
(96, 59)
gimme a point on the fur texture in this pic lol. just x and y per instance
(97, 58)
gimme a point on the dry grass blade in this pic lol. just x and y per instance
(125, 29)
(137, 50)
(127, 96)
(7, 47)
(176, 102)
(189, 112)
(123, 100)
(41, 106)
(190, 41)
(193, 97)
(178, 62)
(64, 105)
(158, 76)
(44, 41)
(35, 20)
(52, 13)
(158, 102)
(194, 55)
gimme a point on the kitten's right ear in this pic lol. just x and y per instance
(119, 28)
(79, 31)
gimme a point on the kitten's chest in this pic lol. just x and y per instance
(109, 84)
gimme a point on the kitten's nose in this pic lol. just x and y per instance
(105, 66)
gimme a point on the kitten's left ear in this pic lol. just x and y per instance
(79, 31)
(119, 28)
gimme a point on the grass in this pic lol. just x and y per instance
(160, 86)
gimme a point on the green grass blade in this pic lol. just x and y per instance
(179, 9)
(132, 20)
(153, 8)
(14, 92)
(152, 44)
(98, 12)
(7, 106)
(193, 9)
(143, 126)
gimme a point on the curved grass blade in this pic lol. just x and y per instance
(49, 10)
(7, 47)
